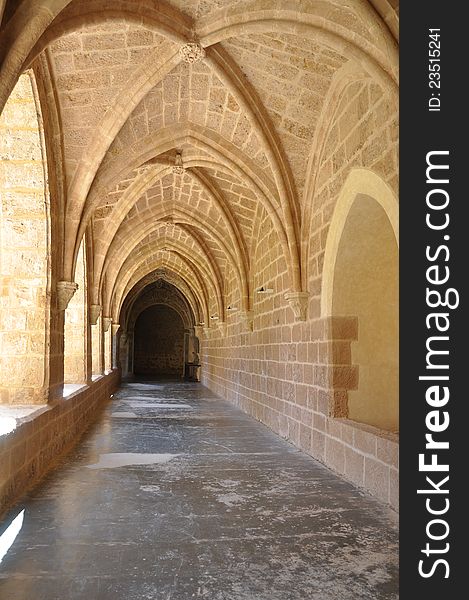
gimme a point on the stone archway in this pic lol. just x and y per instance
(25, 253)
(361, 281)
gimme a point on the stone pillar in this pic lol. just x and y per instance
(115, 345)
(97, 335)
(194, 350)
(107, 341)
(56, 353)
(124, 353)
(131, 353)
(89, 346)
(73, 298)
(31, 354)
(187, 354)
(101, 345)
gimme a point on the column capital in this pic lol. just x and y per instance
(247, 319)
(106, 323)
(222, 328)
(65, 292)
(298, 302)
(95, 311)
(199, 331)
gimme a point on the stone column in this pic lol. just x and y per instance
(56, 353)
(187, 355)
(64, 291)
(115, 345)
(130, 356)
(97, 334)
(107, 341)
(89, 346)
(124, 353)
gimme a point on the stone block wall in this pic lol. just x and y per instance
(281, 375)
(295, 376)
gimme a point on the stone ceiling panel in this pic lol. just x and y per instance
(291, 75)
(245, 113)
(92, 66)
(241, 199)
(192, 94)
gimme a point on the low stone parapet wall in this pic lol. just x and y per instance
(32, 448)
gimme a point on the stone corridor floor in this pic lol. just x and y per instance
(174, 494)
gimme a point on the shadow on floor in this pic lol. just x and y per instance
(175, 494)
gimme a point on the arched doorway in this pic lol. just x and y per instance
(159, 342)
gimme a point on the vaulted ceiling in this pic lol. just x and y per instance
(180, 125)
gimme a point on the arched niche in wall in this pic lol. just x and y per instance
(360, 280)
(24, 248)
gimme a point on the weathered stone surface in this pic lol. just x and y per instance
(192, 52)
(237, 507)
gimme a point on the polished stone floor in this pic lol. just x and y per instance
(174, 494)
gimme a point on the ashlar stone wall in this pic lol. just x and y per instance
(296, 376)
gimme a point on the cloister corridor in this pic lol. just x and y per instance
(199, 299)
(175, 494)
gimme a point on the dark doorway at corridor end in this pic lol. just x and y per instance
(159, 342)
